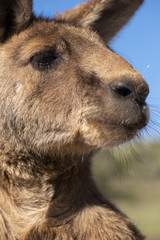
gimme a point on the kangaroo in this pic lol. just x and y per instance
(64, 94)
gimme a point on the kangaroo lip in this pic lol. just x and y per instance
(145, 113)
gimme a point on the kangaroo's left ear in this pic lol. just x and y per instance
(106, 17)
(15, 15)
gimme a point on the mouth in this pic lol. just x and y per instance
(132, 128)
(105, 135)
(145, 115)
(135, 120)
(119, 127)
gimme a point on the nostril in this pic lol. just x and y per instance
(122, 89)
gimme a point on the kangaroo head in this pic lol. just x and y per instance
(60, 83)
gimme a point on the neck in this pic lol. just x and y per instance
(28, 196)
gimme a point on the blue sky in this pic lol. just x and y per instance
(138, 42)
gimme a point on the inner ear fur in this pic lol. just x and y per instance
(106, 17)
(15, 15)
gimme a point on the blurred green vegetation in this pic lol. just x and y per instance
(130, 177)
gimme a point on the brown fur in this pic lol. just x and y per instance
(63, 95)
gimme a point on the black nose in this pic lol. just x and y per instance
(128, 90)
(122, 89)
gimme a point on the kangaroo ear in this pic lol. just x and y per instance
(15, 15)
(106, 17)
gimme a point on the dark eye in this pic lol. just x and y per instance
(43, 60)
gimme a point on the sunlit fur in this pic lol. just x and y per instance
(53, 117)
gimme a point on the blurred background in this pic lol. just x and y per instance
(130, 174)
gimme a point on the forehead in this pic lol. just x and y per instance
(47, 33)
(44, 35)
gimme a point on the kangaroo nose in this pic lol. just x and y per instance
(128, 90)
(122, 89)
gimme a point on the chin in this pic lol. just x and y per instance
(107, 136)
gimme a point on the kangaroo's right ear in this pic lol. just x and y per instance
(15, 15)
(106, 17)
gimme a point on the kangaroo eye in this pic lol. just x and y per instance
(43, 60)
